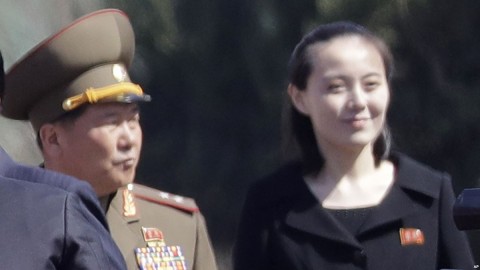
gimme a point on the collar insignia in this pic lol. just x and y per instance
(129, 209)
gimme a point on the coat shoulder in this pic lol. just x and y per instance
(419, 177)
(164, 198)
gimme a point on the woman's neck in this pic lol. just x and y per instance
(351, 179)
(348, 164)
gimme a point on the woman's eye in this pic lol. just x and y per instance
(371, 85)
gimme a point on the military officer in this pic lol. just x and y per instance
(50, 220)
(75, 90)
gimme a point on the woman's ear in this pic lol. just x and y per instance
(297, 99)
(49, 139)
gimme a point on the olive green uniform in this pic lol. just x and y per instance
(178, 218)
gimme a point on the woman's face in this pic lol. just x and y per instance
(347, 93)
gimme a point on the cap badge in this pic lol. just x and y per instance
(411, 236)
(119, 72)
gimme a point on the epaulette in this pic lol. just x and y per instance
(164, 198)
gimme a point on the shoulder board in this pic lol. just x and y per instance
(164, 198)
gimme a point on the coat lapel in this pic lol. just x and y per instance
(413, 188)
(310, 217)
(126, 231)
(394, 208)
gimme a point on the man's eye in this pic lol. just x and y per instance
(336, 87)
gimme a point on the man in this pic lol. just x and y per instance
(75, 90)
(50, 221)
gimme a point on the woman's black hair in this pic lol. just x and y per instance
(300, 68)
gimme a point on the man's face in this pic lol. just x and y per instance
(102, 146)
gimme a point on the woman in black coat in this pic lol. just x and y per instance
(349, 203)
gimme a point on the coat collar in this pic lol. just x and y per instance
(415, 177)
(306, 214)
(411, 179)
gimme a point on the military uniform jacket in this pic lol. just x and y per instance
(177, 218)
(49, 222)
(285, 227)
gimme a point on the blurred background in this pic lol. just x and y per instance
(217, 72)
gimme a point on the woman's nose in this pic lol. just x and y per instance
(358, 98)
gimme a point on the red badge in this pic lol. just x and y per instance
(411, 236)
(152, 234)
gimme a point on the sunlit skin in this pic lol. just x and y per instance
(102, 146)
(346, 98)
(347, 93)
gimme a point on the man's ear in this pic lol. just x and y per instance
(49, 139)
(297, 99)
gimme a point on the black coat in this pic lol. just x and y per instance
(51, 221)
(284, 227)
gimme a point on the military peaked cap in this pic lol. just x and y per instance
(84, 63)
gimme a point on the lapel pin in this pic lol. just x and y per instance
(411, 236)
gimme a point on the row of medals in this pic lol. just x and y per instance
(157, 255)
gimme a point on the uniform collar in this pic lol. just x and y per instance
(118, 201)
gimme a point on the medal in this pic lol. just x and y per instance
(157, 255)
(153, 237)
(160, 258)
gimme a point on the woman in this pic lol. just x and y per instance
(349, 203)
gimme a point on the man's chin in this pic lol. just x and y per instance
(124, 182)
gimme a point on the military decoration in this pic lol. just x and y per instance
(157, 255)
(153, 237)
(160, 258)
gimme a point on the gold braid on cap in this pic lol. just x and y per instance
(93, 95)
